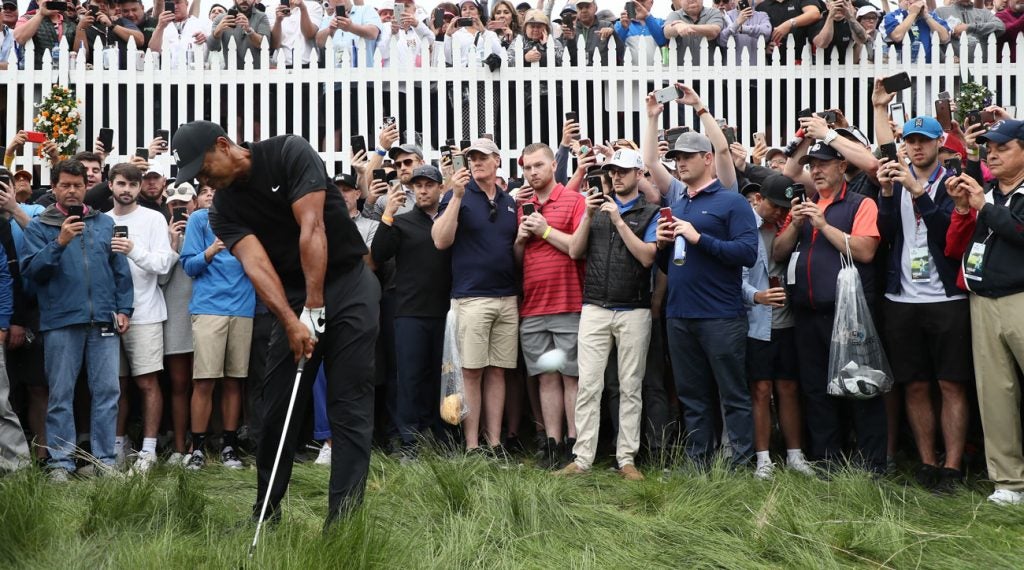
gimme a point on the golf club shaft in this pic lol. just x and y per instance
(280, 448)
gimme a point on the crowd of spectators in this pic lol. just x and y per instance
(689, 283)
(497, 32)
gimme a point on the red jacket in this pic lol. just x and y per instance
(1014, 25)
(958, 238)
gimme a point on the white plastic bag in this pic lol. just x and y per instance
(857, 366)
(454, 406)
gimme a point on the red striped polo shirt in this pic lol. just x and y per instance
(552, 281)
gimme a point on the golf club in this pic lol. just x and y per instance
(277, 458)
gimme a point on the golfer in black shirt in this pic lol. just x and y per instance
(303, 253)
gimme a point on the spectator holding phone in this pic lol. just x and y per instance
(638, 26)
(838, 29)
(101, 21)
(293, 31)
(469, 33)
(913, 20)
(410, 27)
(8, 18)
(43, 24)
(746, 26)
(244, 27)
(963, 18)
(150, 256)
(986, 230)
(798, 18)
(181, 36)
(66, 247)
(351, 26)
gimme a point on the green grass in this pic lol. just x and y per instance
(462, 513)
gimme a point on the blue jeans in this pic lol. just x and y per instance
(707, 353)
(64, 349)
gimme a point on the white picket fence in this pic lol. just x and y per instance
(760, 96)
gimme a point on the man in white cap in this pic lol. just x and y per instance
(868, 17)
(617, 237)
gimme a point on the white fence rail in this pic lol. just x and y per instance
(519, 103)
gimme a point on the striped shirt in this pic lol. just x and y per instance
(552, 281)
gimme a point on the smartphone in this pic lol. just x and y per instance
(596, 182)
(121, 231)
(661, 135)
(529, 208)
(889, 151)
(107, 138)
(670, 93)
(380, 174)
(631, 10)
(463, 22)
(438, 18)
(57, 6)
(954, 166)
(5, 179)
(358, 144)
(799, 191)
(451, 144)
(165, 135)
(944, 95)
(94, 11)
(572, 116)
(897, 113)
(759, 138)
(76, 211)
(35, 137)
(897, 83)
(178, 214)
(168, 6)
(388, 121)
(774, 281)
(987, 117)
(806, 113)
(730, 134)
(464, 144)
(458, 162)
(973, 117)
(830, 117)
(391, 176)
(943, 113)
(142, 153)
(339, 11)
(671, 135)
(743, 5)
(399, 10)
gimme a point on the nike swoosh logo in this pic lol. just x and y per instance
(274, 188)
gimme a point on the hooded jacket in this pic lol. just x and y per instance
(81, 283)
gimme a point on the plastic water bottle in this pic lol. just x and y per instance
(679, 252)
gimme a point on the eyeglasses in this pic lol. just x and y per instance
(493, 214)
(180, 190)
(616, 171)
(777, 162)
(406, 162)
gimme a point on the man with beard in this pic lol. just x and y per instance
(406, 158)
(616, 236)
(150, 256)
(243, 26)
(552, 294)
(276, 211)
(927, 316)
(422, 288)
(820, 228)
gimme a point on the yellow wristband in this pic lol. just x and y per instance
(387, 219)
(546, 233)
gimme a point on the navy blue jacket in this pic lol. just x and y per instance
(81, 283)
(936, 215)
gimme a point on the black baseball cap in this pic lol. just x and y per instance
(345, 180)
(189, 146)
(750, 187)
(427, 171)
(779, 190)
(821, 151)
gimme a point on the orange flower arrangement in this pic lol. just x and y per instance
(58, 118)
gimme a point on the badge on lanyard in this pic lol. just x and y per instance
(920, 265)
(973, 264)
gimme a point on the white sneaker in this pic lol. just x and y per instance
(230, 459)
(1006, 497)
(176, 459)
(59, 475)
(800, 465)
(764, 471)
(145, 462)
(325, 456)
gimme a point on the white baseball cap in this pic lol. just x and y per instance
(625, 158)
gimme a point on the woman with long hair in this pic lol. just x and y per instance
(505, 22)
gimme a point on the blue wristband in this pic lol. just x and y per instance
(381, 152)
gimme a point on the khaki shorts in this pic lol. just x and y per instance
(142, 350)
(221, 346)
(488, 331)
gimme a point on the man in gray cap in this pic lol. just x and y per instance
(276, 212)
(422, 290)
(406, 158)
(478, 222)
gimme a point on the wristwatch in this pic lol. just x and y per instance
(830, 136)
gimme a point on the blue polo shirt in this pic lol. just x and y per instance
(710, 284)
(483, 262)
(919, 35)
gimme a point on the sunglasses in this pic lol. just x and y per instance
(406, 162)
(493, 212)
(180, 190)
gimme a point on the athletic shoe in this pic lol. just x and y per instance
(927, 476)
(230, 459)
(324, 458)
(764, 471)
(552, 457)
(145, 462)
(949, 481)
(59, 475)
(177, 459)
(515, 446)
(800, 465)
(196, 461)
(1006, 497)
(571, 470)
(629, 472)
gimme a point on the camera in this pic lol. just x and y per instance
(493, 62)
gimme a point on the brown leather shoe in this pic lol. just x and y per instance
(631, 473)
(570, 470)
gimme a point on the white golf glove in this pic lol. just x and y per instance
(315, 320)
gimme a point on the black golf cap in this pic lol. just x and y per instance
(427, 171)
(189, 146)
(779, 190)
